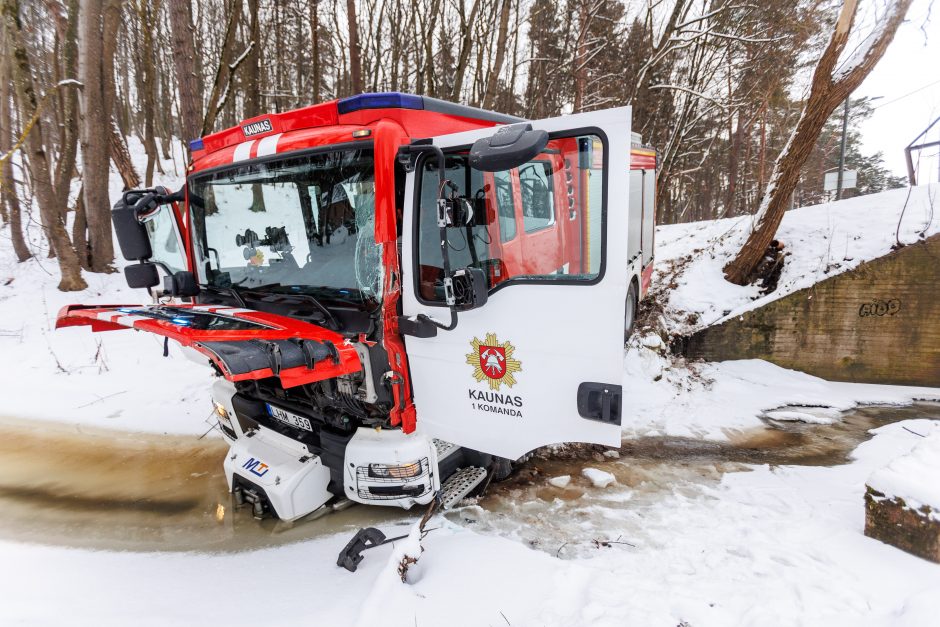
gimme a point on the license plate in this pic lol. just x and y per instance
(289, 418)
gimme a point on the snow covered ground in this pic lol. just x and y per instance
(823, 240)
(773, 546)
(770, 545)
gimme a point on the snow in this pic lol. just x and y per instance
(780, 546)
(713, 400)
(914, 477)
(823, 240)
(560, 481)
(598, 478)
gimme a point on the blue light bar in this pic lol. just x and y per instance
(195, 145)
(385, 100)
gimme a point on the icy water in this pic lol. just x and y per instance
(106, 490)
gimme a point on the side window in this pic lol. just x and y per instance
(534, 242)
(538, 202)
(165, 240)
(505, 206)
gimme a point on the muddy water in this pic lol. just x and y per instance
(101, 489)
(573, 520)
(150, 492)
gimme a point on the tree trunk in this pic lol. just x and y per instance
(52, 221)
(223, 75)
(65, 167)
(826, 93)
(122, 158)
(95, 127)
(147, 82)
(184, 61)
(8, 197)
(315, 45)
(355, 63)
(493, 81)
(466, 44)
(252, 71)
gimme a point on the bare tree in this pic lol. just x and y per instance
(355, 63)
(30, 110)
(8, 199)
(184, 60)
(96, 119)
(830, 87)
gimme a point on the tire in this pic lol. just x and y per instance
(629, 319)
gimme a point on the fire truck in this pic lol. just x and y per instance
(398, 297)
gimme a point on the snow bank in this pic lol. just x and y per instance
(116, 379)
(914, 477)
(669, 396)
(821, 241)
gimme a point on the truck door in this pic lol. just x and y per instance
(541, 361)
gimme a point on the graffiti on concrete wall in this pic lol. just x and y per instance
(879, 308)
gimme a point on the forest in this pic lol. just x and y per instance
(716, 87)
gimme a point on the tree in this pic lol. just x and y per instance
(184, 60)
(355, 62)
(96, 124)
(8, 199)
(30, 106)
(829, 88)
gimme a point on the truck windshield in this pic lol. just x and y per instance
(301, 224)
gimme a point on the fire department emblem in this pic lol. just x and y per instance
(493, 361)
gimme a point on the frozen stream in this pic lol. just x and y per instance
(101, 489)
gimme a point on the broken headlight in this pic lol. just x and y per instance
(400, 471)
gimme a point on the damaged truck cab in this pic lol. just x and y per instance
(398, 296)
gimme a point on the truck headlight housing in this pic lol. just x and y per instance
(220, 410)
(395, 471)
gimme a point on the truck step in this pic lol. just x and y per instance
(444, 449)
(460, 484)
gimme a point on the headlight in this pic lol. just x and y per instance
(403, 471)
(220, 410)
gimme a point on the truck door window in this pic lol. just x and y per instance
(538, 203)
(532, 245)
(505, 205)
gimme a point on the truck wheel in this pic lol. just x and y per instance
(629, 319)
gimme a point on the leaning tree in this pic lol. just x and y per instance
(832, 84)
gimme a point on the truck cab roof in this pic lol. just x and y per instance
(336, 120)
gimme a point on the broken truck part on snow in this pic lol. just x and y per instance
(398, 296)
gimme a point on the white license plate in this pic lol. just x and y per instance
(289, 418)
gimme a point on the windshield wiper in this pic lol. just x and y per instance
(313, 299)
(228, 291)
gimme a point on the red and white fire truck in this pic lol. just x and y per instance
(398, 296)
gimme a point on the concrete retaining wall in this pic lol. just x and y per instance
(879, 323)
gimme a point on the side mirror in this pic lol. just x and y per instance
(181, 283)
(142, 274)
(470, 288)
(509, 148)
(131, 234)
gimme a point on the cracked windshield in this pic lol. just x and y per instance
(299, 225)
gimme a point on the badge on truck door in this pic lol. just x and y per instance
(494, 361)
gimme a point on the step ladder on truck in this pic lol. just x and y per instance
(397, 296)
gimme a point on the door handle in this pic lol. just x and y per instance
(601, 402)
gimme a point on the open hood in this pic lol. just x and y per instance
(243, 343)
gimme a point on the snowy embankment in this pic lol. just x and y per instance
(666, 396)
(116, 379)
(820, 241)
